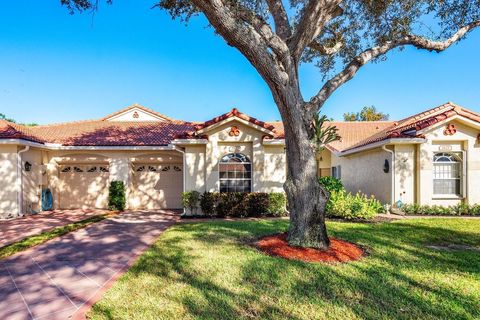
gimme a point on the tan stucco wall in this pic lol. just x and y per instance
(465, 139)
(268, 162)
(364, 172)
(324, 162)
(405, 168)
(275, 172)
(32, 181)
(8, 182)
(195, 168)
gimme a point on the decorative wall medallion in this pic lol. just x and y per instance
(234, 131)
(450, 130)
(136, 115)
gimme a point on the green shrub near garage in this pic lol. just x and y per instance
(116, 196)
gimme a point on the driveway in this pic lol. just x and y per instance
(62, 278)
(17, 229)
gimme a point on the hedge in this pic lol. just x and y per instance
(238, 204)
(436, 210)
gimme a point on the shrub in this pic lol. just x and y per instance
(190, 200)
(208, 203)
(238, 204)
(331, 184)
(277, 204)
(232, 204)
(352, 207)
(116, 196)
(258, 204)
(460, 209)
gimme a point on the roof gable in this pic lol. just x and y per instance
(136, 113)
(233, 115)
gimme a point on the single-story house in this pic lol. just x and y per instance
(430, 158)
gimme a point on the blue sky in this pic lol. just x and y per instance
(55, 67)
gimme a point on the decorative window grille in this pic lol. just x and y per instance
(235, 170)
(447, 174)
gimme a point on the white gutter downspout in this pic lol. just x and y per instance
(20, 179)
(384, 147)
(184, 169)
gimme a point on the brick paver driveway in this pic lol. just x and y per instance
(60, 279)
(17, 229)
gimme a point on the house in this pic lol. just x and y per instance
(429, 158)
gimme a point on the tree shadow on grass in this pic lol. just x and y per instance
(397, 281)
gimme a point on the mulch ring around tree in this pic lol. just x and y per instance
(340, 251)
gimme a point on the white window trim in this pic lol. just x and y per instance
(462, 178)
(251, 172)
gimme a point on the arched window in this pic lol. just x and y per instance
(235, 173)
(447, 174)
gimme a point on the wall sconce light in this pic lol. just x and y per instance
(386, 166)
(28, 166)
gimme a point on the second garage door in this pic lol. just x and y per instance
(158, 186)
(83, 186)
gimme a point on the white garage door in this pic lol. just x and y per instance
(158, 186)
(83, 186)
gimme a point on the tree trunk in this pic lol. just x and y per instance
(306, 198)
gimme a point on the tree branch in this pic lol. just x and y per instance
(317, 13)
(315, 45)
(263, 28)
(352, 68)
(280, 17)
(248, 39)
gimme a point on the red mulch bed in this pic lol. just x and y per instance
(339, 251)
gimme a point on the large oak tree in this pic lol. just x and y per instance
(339, 37)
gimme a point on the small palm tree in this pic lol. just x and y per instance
(323, 136)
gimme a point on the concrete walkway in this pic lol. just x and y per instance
(62, 278)
(17, 229)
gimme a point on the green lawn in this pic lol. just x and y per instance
(208, 271)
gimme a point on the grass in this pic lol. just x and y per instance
(35, 240)
(208, 271)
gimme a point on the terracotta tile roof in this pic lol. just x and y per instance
(409, 127)
(10, 130)
(157, 133)
(234, 113)
(105, 133)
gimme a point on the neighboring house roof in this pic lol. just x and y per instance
(157, 133)
(410, 127)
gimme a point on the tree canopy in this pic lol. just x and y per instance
(368, 113)
(333, 34)
(4, 117)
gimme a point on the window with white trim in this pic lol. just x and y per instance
(447, 174)
(235, 170)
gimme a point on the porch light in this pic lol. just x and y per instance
(28, 166)
(386, 166)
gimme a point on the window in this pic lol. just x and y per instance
(235, 171)
(337, 172)
(447, 171)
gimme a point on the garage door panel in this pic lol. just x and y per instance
(158, 186)
(80, 188)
